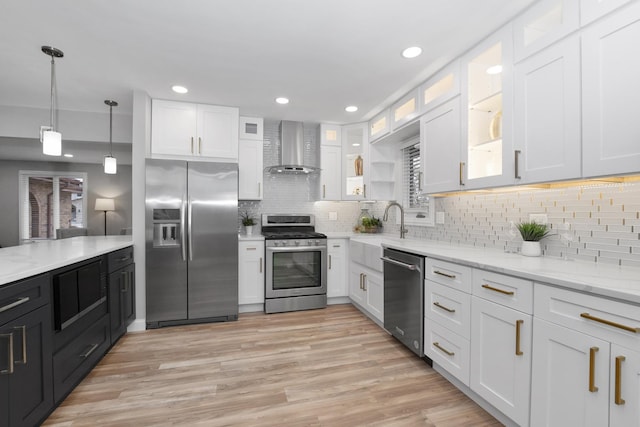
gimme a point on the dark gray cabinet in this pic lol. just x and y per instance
(122, 307)
(25, 352)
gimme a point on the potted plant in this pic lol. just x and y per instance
(248, 221)
(371, 225)
(532, 232)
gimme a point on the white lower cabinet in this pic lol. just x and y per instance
(367, 290)
(337, 277)
(501, 363)
(448, 349)
(250, 272)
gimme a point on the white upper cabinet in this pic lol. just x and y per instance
(542, 24)
(441, 87)
(610, 89)
(193, 131)
(546, 114)
(487, 90)
(590, 10)
(355, 162)
(405, 109)
(250, 159)
(440, 143)
(379, 126)
(330, 162)
(251, 128)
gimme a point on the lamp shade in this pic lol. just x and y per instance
(105, 205)
(51, 143)
(110, 165)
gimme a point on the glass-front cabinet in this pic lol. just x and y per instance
(488, 92)
(355, 161)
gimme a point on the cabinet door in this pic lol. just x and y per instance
(356, 285)
(251, 128)
(355, 162)
(129, 295)
(250, 169)
(440, 140)
(441, 87)
(337, 280)
(374, 291)
(501, 358)
(547, 108)
(173, 128)
(405, 109)
(379, 126)
(590, 10)
(624, 400)
(610, 88)
(251, 272)
(29, 386)
(330, 176)
(570, 378)
(117, 283)
(217, 130)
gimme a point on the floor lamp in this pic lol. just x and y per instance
(105, 205)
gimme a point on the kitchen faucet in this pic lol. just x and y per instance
(403, 230)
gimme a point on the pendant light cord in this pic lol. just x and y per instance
(110, 130)
(53, 91)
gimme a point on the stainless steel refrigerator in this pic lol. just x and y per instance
(191, 242)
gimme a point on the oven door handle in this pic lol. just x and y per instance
(297, 249)
(411, 267)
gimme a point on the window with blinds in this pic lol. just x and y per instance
(418, 206)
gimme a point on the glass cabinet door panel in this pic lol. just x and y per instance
(355, 161)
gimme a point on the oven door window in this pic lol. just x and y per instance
(293, 270)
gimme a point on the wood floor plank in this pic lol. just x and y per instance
(329, 367)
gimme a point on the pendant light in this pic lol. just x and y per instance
(51, 140)
(110, 163)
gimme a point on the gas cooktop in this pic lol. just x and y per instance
(289, 226)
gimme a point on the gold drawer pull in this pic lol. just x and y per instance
(592, 369)
(450, 276)
(450, 310)
(610, 323)
(618, 398)
(502, 291)
(442, 349)
(518, 350)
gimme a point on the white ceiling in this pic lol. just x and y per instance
(322, 54)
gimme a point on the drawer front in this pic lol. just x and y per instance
(449, 307)
(21, 297)
(77, 358)
(449, 274)
(602, 318)
(505, 290)
(447, 349)
(118, 259)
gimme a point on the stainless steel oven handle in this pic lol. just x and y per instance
(411, 267)
(297, 249)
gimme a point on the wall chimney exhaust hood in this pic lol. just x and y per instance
(292, 150)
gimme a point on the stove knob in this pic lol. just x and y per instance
(317, 242)
(297, 243)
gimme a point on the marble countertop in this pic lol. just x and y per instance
(252, 238)
(612, 281)
(20, 262)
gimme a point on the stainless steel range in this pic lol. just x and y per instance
(296, 263)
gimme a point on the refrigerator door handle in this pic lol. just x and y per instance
(183, 243)
(190, 215)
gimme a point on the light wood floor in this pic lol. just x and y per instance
(330, 367)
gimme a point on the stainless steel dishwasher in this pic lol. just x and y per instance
(404, 298)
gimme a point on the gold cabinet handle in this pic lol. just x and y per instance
(450, 276)
(9, 369)
(442, 349)
(260, 264)
(191, 145)
(329, 262)
(618, 398)
(610, 323)
(199, 145)
(361, 281)
(461, 172)
(251, 249)
(502, 291)
(324, 191)
(259, 190)
(364, 282)
(364, 190)
(518, 325)
(450, 310)
(592, 369)
(516, 161)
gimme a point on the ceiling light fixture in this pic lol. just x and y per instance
(494, 69)
(68, 155)
(351, 109)
(412, 52)
(282, 100)
(110, 162)
(51, 140)
(179, 89)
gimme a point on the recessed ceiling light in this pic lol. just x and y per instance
(179, 89)
(282, 100)
(412, 52)
(68, 155)
(495, 69)
(351, 109)
(356, 144)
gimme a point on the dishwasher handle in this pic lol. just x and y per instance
(411, 267)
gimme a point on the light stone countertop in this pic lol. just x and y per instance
(253, 238)
(622, 283)
(20, 262)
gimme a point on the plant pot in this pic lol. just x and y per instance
(531, 249)
(248, 230)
